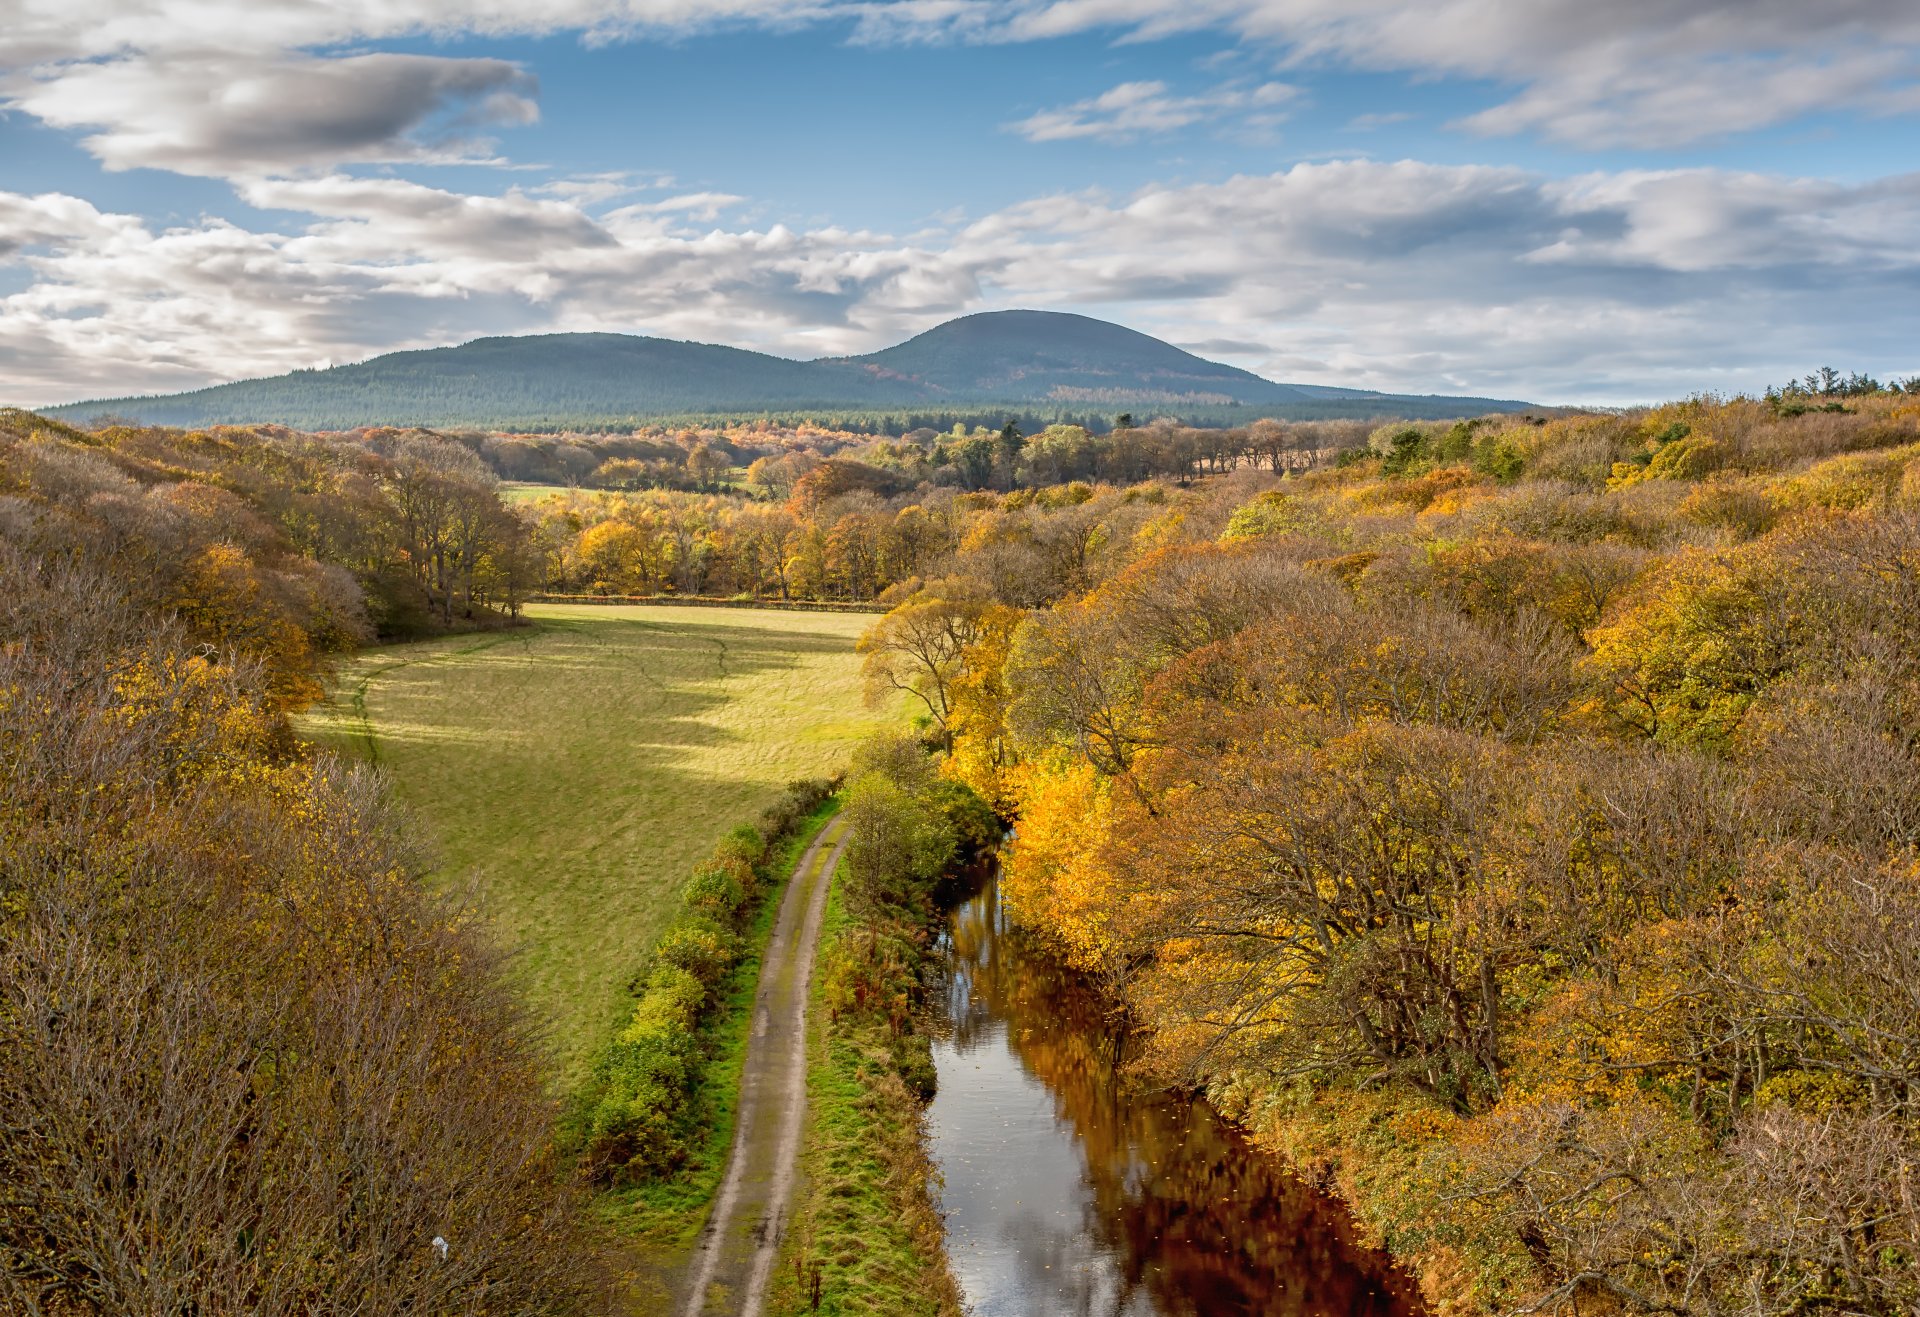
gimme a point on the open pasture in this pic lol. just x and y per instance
(572, 772)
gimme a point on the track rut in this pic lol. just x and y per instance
(733, 1260)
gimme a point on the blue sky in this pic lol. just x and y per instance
(1538, 198)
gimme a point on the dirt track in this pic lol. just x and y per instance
(734, 1258)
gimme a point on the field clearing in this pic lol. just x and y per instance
(527, 491)
(574, 771)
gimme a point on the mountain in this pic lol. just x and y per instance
(1038, 361)
(541, 381)
(1029, 356)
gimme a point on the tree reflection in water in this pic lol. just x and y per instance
(1068, 1195)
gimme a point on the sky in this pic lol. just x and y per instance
(1567, 201)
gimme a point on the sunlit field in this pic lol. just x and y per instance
(527, 491)
(573, 772)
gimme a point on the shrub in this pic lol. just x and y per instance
(714, 891)
(803, 797)
(1271, 513)
(1499, 456)
(743, 846)
(703, 950)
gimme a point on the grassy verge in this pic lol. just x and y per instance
(865, 1223)
(665, 1213)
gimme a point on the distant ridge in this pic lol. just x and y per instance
(1034, 361)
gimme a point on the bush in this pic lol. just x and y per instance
(714, 891)
(803, 797)
(703, 950)
(744, 846)
(1271, 513)
(1499, 456)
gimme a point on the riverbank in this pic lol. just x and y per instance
(865, 1235)
(1378, 1153)
(1069, 1188)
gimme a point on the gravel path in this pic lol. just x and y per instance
(734, 1258)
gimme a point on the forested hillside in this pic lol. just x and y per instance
(1033, 355)
(1023, 360)
(247, 1065)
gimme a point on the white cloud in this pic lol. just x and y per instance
(51, 31)
(232, 115)
(1366, 123)
(234, 88)
(609, 185)
(1403, 276)
(227, 88)
(1623, 73)
(1139, 109)
(53, 219)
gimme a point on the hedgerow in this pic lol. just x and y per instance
(636, 1118)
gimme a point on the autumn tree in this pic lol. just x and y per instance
(248, 1063)
(921, 647)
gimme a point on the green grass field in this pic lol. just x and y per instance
(574, 771)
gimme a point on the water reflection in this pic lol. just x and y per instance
(1067, 1195)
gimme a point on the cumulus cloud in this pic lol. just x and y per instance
(1403, 276)
(53, 219)
(1646, 73)
(1138, 109)
(1630, 73)
(227, 115)
(237, 88)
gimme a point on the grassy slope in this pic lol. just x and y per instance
(574, 772)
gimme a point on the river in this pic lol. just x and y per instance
(1069, 1194)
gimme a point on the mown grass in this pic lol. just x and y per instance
(865, 1218)
(573, 772)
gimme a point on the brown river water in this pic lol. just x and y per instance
(1069, 1193)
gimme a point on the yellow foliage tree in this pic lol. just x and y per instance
(1056, 877)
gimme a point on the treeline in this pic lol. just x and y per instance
(766, 462)
(389, 535)
(247, 1064)
(1519, 822)
(690, 461)
(853, 526)
(871, 424)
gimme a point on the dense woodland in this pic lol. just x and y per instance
(765, 460)
(852, 525)
(1517, 822)
(247, 1063)
(1515, 819)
